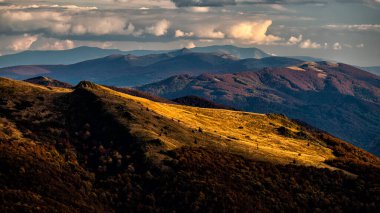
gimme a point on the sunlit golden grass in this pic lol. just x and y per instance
(248, 133)
(26, 85)
(251, 134)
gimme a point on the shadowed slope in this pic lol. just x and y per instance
(95, 149)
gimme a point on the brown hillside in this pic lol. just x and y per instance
(94, 149)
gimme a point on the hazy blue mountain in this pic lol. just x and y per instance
(241, 52)
(307, 58)
(374, 70)
(132, 70)
(39, 57)
(71, 56)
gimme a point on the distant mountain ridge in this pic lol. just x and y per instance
(337, 98)
(375, 70)
(132, 70)
(79, 54)
(49, 82)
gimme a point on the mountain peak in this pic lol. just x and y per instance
(47, 81)
(182, 51)
(86, 84)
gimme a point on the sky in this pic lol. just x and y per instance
(342, 30)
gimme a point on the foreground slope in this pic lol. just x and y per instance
(337, 98)
(98, 150)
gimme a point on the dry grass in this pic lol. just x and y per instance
(29, 86)
(249, 133)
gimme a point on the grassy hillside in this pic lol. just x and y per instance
(338, 98)
(94, 149)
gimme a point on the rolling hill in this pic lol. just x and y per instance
(131, 70)
(93, 149)
(337, 98)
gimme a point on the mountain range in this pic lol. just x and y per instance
(375, 70)
(84, 53)
(334, 97)
(338, 98)
(94, 149)
(132, 70)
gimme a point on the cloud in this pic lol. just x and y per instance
(279, 7)
(199, 9)
(209, 32)
(190, 45)
(253, 32)
(137, 4)
(22, 21)
(180, 33)
(337, 46)
(46, 6)
(160, 28)
(58, 23)
(294, 40)
(100, 26)
(361, 45)
(308, 44)
(53, 44)
(347, 45)
(203, 3)
(220, 3)
(277, 3)
(22, 43)
(354, 27)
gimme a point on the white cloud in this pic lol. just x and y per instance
(337, 46)
(50, 44)
(209, 32)
(279, 7)
(100, 26)
(295, 40)
(64, 24)
(253, 32)
(46, 6)
(361, 45)
(22, 43)
(190, 45)
(354, 27)
(166, 4)
(308, 44)
(199, 9)
(160, 28)
(22, 21)
(347, 45)
(180, 33)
